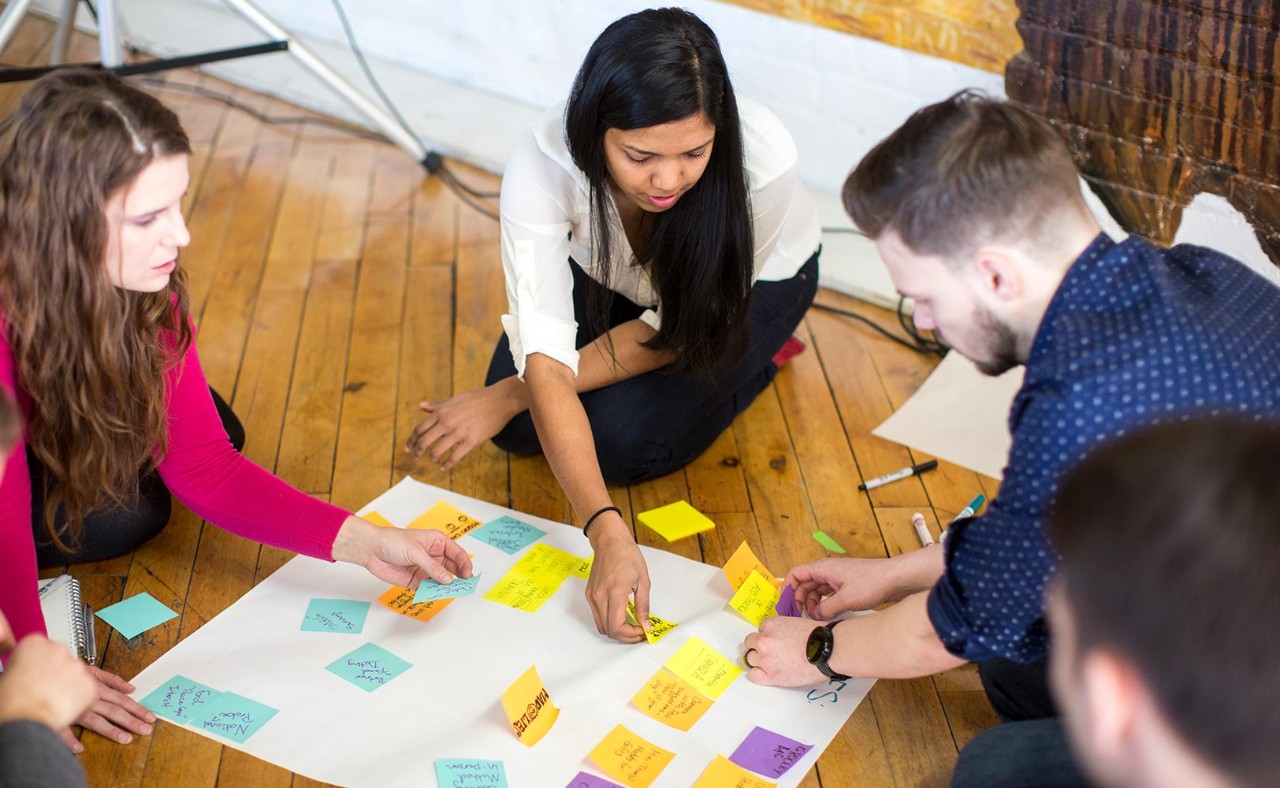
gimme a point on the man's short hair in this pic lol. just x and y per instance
(1170, 545)
(962, 172)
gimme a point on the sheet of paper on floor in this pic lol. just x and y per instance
(447, 705)
(958, 415)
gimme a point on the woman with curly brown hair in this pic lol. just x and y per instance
(97, 347)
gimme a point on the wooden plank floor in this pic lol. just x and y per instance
(335, 286)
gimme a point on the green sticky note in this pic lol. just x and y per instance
(344, 616)
(676, 520)
(368, 667)
(467, 773)
(430, 590)
(828, 542)
(508, 534)
(136, 614)
(234, 717)
(180, 699)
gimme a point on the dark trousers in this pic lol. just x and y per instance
(111, 531)
(658, 422)
(1029, 747)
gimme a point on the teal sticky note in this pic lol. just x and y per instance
(180, 699)
(429, 590)
(234, 717)
(368, 667)
(508, 534)
(344, 616)
(466, 773)
(136, 614)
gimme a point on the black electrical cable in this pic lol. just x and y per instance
(916, 343)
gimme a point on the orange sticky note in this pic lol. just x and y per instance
(724, 773)
(378, 519)
(740, 565)
(446, 517)
(400, 600)
(703, 667)
(676, 520)
(671, 700)
(630, 759)
(528, 706)
(757, 598)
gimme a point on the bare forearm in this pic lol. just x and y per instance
(896, 643)
(916, 571)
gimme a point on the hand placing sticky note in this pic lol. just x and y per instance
(769, 753)
(233, 717)
(136, 614)
(368, 667)
(723, 773)
(703, 667)
(446, 517)
(657, 626)
(508, 534)
(342, 616)
(676, 520)
(671, 700)
(787, 603)
(630, 759)
(528, 706)
(430, 590)
(756, 599)
(180, 699)
(462, 773)
(740, 565)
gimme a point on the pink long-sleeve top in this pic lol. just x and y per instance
(201, 469)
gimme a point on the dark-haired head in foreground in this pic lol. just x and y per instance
(1166, 607)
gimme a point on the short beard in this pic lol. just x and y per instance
(1002, 347)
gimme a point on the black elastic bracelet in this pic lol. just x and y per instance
(593, 517)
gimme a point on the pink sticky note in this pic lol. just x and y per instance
(768, 753)
(787, 603)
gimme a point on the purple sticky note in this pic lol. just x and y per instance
(787, 603)
(768, 753)
(584, 780)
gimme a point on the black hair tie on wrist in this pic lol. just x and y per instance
(593, 517)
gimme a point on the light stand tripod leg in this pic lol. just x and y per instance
(385, 123)
(13, 13)
(62, 35)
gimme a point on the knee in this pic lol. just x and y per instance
(519, 437)
(629, 455)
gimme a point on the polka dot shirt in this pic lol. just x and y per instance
(1134, 336)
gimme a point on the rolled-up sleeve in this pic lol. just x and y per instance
(536, 206)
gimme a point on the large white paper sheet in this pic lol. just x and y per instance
(448, 704)
(959, 415)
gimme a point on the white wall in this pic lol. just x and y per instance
(470, 74)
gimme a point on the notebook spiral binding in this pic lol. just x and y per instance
(76, 612)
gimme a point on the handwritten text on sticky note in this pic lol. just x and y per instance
(630, 759)
(429, 590)
(508, 534)
(463, 773)
(528, 706)
(703, 667)
(769, 753)
(724, 774)
(343, 616)
(671, 700)
(740, 565)
(400, 600)
(180, 699)
(756, 600)
(368, 667)
(446, 517)
(234, 717)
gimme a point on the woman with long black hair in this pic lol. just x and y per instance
(659, 250)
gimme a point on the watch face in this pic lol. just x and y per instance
(817, 644)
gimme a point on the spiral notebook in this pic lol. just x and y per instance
(67, 619)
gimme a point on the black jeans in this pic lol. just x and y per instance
(1029, 747)
(111, 531)
(658, 422)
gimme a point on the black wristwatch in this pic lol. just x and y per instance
(822, 641)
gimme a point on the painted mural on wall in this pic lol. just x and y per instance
(978, 33)
(1161, 100)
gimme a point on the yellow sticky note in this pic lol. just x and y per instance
(657, 626)
(671, 700)
(676, 520)
(630, 759)
(703, 667)
(400, 600)
(583, 568)
(740, 565)
(446, 517)
(724, 773)
(378, 519)
(543, 560)
(528, 706)
(757, 598)
(521, 591)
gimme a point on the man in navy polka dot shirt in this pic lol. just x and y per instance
(975, 207)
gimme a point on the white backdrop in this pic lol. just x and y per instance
(448, 704)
